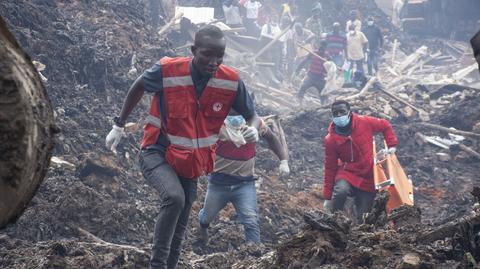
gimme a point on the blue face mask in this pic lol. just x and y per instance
(342, 121)
(235, 121)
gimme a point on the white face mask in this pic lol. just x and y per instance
(352, 32)
(370, 23)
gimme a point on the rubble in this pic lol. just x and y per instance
(101, 213)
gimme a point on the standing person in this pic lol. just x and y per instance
(232, 13)
(375, 42)
(270, 30)
(353, 21)
(396, 12)
(349, 158)
(233, 179)
(192, 97)
(314, 23)
(252, 7)
(336, 45)
(356, 48)
(316, 71)
(301, 37)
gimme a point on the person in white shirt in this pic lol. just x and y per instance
(356, 46)
(397, 7)
(232, 13)
(252, 7)
(354, 21)
(270, 29)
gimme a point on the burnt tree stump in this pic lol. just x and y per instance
(26, 128)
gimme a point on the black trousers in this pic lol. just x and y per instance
(177, 196)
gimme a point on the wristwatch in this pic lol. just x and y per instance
(118, 122)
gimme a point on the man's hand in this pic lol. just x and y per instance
(250, 134)
(114, 137)
(392, 150)
(284, 168)
(382, 154)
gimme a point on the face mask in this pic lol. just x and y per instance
(235, 122)
(352, 32)
(342, 121)
(370, 23)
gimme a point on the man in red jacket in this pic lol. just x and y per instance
(349, 158)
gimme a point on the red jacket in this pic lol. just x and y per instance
(192, 123)
(351, 157)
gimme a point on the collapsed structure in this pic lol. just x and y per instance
(94, 210)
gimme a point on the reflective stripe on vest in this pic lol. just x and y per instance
(177, 81)
(155, 121)
(194, 143)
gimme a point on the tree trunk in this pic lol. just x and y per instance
(26, 129)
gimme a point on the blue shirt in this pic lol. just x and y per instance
(153, 83)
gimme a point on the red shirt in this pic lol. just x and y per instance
(351, 157)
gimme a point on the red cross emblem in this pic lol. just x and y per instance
(217, 107)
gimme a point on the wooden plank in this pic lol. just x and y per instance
(448, 130)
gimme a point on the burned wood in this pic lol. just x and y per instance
(100, 242)
(449, 130)
(381, 88)
(272, 42)
(365, 88)
(167, 26)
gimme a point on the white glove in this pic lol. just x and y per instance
(250, 134)
(283, 168)
(382, 154)
(391, 150)
(114, 137)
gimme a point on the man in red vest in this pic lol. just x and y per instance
(349, 158)
(316, 71)
(192, 97)
(233, 179)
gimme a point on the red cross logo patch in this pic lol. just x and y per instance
(217, 107)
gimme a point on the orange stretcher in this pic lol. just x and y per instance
(389, 176)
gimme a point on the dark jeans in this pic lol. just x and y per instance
(311, 81)
(372, 61)
(177, 196)
(343, 189)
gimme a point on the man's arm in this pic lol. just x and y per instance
(330, 168)
(243, 104)
(364, 41)
(274, 143)
(134, 95)
(383, 126)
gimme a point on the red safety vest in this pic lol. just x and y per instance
(192, 123)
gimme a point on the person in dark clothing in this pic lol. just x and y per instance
(375, 43)
(316, 72)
